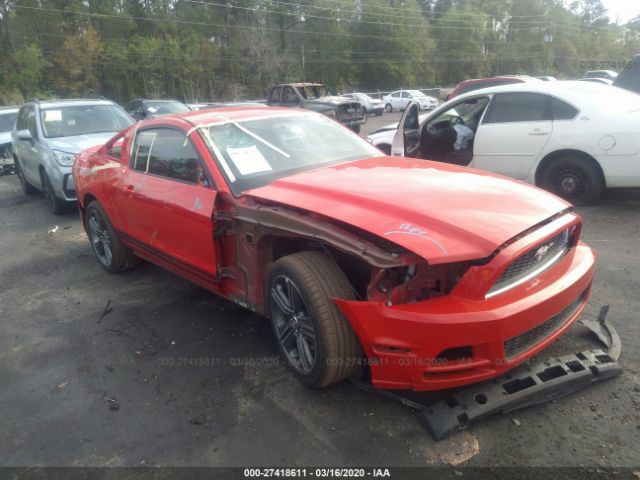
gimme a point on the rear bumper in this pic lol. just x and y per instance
(404, 343)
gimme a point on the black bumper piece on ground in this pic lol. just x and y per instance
(523, 387)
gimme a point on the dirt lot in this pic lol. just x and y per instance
(144, 368)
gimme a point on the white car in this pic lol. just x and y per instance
(369, 105)
(572, 138)
(400, 99)
(383, 137)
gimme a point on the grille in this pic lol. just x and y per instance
(350, 109)
(528, 339)
(534, 261)
(6, 151)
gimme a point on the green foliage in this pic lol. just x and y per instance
(198, 50)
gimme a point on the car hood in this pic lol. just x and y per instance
(441, 212)
(331, 100)
(79, 142)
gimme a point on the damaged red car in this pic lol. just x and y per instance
(426, 275)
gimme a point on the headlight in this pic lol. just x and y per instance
(64, 159)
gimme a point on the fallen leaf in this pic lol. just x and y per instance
(458, 449)
(62, 385)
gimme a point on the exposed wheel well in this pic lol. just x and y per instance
(560, 153)
(356, 270)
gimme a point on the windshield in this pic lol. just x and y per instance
(165, 108)
(363, 96)
(314, 91)
(7, 121)
(69, 121)
(253, 153)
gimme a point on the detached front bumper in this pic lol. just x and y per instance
(452, 341)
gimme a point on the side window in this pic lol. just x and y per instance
(167, 153)
(562, 110)
(31, 122)
(275, 95)
(142, 149)
(519, 107)
(395, 94)
(289, 96)
(21, 121)
(406, 95)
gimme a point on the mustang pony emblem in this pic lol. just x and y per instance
(542, 252)
(408, 229)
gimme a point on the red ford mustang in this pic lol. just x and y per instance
(430, 275)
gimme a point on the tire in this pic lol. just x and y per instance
(109, 250)
(27, 188)
(55, 205)
(388, 108)
(574, 178)
(304, 318)
(379, 112)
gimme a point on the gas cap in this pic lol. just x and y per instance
(607, 142)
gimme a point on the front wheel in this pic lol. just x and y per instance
(388, 108)
(55, 205)
(573, 178)
(27, 188)
(313, 336)
(112, 254)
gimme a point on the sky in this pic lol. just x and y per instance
(624, 9)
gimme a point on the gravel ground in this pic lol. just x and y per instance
(144, 368)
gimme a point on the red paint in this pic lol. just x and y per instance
(442, 213)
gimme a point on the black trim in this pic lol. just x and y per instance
(137, 244)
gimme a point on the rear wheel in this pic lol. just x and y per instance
(27, 188)
(573, 178)
(312, 334)
(388, 108)
(54, 204)
(111, 253)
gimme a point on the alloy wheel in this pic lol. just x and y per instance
(294, 328)
(100, 238)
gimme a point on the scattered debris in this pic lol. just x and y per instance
(199, 420)
(107, 310)
(54, 229)
(516, 422)
(114, 404)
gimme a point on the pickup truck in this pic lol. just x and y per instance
(315, 96)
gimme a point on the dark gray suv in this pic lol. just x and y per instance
(48, 135)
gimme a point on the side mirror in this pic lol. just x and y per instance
(25, 135)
